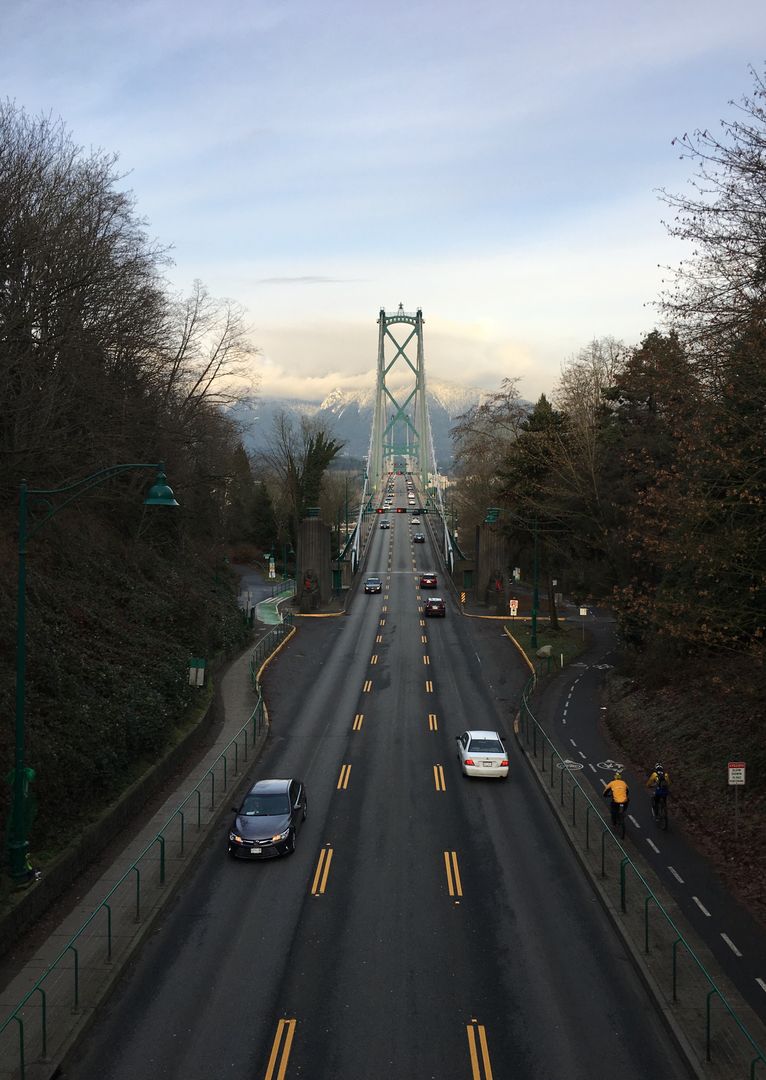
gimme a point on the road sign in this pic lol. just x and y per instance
(737, 772)
(462, 598)
(514, 605)
(272, 569)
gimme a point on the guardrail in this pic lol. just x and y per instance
(76, 979)
(714, 1030)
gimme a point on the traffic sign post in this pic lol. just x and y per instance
(514, 605)
(736, 780)
(583, 613)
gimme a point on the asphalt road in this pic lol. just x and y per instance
(427, 925)
(733, 936)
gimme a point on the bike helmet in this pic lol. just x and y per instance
(618, 775)
(658, 768)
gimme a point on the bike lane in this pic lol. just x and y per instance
(570, 711)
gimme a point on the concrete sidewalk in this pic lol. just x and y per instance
(52, 1019)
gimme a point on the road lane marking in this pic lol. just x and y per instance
(323, 869)
(345, 773)
(429, 687)
(426, 659)
(573, 742)
(378, 639)
(591, 767)
(433, 724)
(374, 658)
(286, 1029)
(701, 906)
(653, 846)
(358, 721)
(422, 622)
(581, 754)
(761, 983)
(439, 778)
(423, 639)
(472, 1030)
(631, 819)
(384, 608)
(453, 874)
(676, 875)
(731, 944)
(382, 622)
(367, 686)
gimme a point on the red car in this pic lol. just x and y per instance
(428, 581)
(435, 605)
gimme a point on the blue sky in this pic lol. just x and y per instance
(493, 163)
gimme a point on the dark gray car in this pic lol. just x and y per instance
(268, 819)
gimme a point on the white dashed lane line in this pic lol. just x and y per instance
(731, 944)
(591, 767)
(581, 754)
(632, 820)
(676, 875)
(762, 984)
(573, 742)
(653, 846)
(701, 906)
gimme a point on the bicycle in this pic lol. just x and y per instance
(660, 811)
(619, 813)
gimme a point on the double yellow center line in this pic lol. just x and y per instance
(280, 1051)
(477, 1045)
(319, 883)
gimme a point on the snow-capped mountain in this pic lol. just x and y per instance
(348, 415)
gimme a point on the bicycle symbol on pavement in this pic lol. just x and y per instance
(568, 764)
(611, 766)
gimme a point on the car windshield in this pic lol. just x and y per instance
(487, 746)
(265, 806)
(373, 581)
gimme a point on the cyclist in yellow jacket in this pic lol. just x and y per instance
(660, 781)
(618, 791)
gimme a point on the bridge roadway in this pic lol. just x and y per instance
(384, 973)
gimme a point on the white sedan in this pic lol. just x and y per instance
(482, 753)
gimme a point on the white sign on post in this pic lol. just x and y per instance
(272, 570)
(514, 607)
(737, 773)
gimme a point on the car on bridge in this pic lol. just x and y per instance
(265, 824)
(373, 585)
(415, 521)
(435, 605)
(418, 538)
(482, 753)
(385, 524)
(428, 581)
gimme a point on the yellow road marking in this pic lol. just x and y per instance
(471, 1031)
(439, 778)
(422, 622)
(345, 773)
(384, 608)
(323, 869)
(426, 659)
(378, 639)
(433, 724)
(367, 687)
(429, 687)
(358, 721)
(453, 874)
(418, 596)
(382, 622)
(423, 639)
(286, 1028)
(374, 658)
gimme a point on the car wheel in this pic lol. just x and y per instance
(290, 848)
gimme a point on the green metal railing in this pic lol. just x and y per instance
(110, 928)
(725, 1044)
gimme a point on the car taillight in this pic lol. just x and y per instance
(504, 762)
(469, 761)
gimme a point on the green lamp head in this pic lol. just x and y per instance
(160, 493)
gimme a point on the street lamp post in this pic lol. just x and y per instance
(159, 495)
(535, 589)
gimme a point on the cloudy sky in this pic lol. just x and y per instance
(494, 163)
